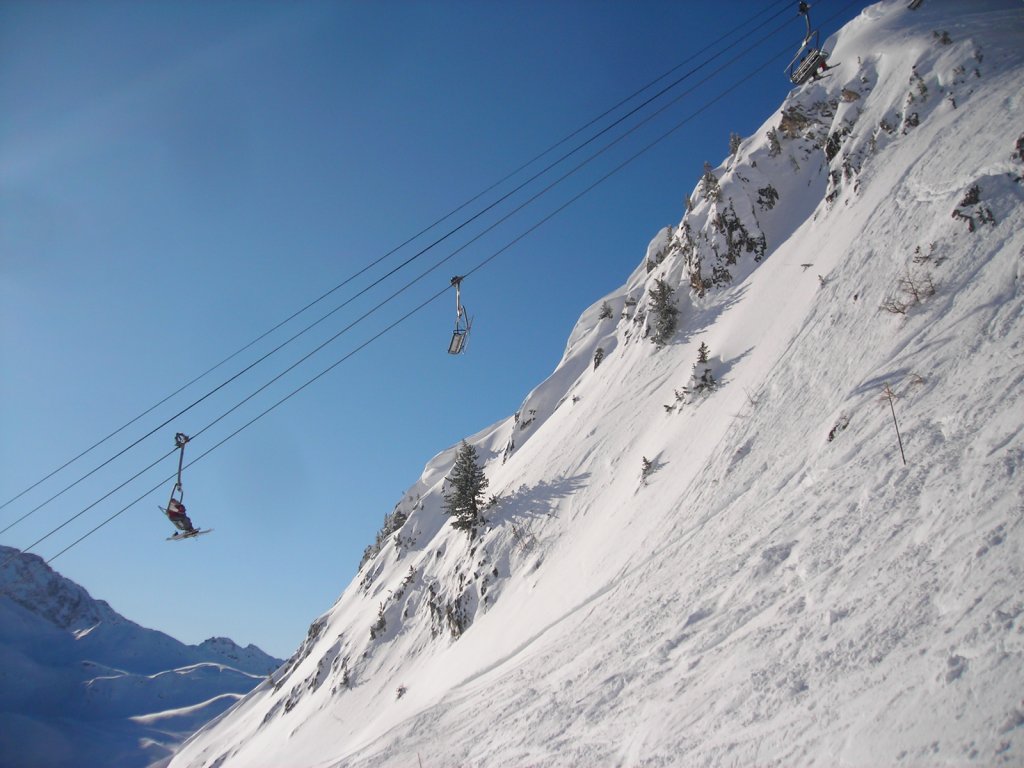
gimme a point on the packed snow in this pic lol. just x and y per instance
(805, 550)
(82, 685)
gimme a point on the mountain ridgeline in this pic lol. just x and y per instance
(768, 507)
(82, 685)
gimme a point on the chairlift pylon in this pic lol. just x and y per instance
(809, 57)
(462, 321)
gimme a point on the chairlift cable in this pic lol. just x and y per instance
(480, 234)
(252, 421)
(640, 90)
(462, 247)
(416, 256)
(403, 264)
(433, 298)
(103, 498)
(369, 266)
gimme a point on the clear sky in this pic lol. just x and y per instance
(178, 178)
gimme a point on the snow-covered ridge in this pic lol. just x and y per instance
(104, 635)
(728, 561)
(82, 685)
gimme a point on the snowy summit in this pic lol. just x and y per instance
(82, 685)
(768, 509)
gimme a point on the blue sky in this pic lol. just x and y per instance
(177, 178)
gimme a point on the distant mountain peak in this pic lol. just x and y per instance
(85, 684)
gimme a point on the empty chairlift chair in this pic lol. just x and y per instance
(462, 321)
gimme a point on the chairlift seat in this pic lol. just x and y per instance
(806, 69)
(462, 320)
(457, 343)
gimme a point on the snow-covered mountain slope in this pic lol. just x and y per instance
(730, 562)
(82, 685)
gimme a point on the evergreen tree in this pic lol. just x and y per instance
(710, 188)
(666, 311)
(392, 523)
(734, 144)
(646, 467)
(703, 352)
(467, 484)
(706, 384)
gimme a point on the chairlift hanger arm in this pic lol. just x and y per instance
(457, 282)
(180, 440)
(460, 311)
(804, 9)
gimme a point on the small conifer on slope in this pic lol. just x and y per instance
(467, 483)
(665, 311)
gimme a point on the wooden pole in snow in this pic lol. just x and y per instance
(890, 396)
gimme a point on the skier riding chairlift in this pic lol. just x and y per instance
(175, 507)
(176, 514)
(810, 60)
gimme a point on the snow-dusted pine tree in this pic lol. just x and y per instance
(711, 190)
(703, 352)
(467, 482)
(667, 314)
(734, 144)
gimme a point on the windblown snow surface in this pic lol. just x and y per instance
(780, 588)
(80, 685)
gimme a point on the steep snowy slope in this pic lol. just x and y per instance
(82, 685)
(705, 545)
